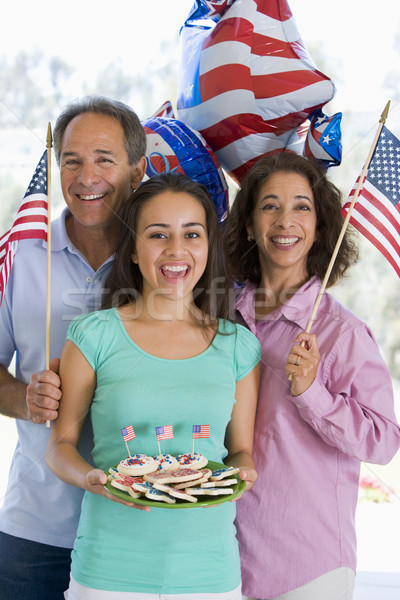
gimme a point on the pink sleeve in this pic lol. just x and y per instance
(350, 405)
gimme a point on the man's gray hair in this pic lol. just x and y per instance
(134, 133)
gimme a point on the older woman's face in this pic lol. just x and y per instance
(284, 223)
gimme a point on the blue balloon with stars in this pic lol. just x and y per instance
(174, 146)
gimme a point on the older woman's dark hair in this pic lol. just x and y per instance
(125, 282)
(243, 254)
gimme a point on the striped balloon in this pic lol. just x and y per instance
(246, 82)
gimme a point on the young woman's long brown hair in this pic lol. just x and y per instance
(125, 282)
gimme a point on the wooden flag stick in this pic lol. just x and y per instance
(346, 221)
(127, 447)
(49, 145)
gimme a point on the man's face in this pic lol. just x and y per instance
(96, 178)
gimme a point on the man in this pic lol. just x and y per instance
(100, 146)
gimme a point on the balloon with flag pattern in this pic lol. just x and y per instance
(246, 81)
(324, 139)
(174, 146)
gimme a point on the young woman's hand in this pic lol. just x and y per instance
(302, 363)
(95, 482)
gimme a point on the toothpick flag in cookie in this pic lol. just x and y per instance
(164, 432)
(128, 434)
(200, 431)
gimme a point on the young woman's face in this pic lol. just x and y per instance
(171, 247)
(284, 223)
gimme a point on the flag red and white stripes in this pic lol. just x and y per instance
(376, 213)
(247, 83)
(201, 431)
(30, 222)
(164, 432)
(128, 433)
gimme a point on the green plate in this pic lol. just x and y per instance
(207, 501)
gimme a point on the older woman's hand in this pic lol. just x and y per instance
(302, 363)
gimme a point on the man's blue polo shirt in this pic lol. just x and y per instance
(37, 505)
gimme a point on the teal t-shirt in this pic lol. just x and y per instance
(164, 551)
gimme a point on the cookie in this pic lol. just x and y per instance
(163, 487)
(175, 476)
(142, 486)
(193, 461)
(125, 484)
(134, 494)
(222, 473)
(159, 496)
(166, 462)
(174, 492)
(137, 464)
(203, 479)
(195, 491)
(112, 473)
(219, 483)
(181, 495)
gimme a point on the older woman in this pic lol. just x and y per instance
(296, 526)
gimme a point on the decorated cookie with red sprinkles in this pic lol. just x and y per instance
(175, 476)
(193, 460)
(137, 464)
(206, 473)
(125, 485)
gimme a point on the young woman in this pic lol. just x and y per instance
(163, 353)
(296, 526)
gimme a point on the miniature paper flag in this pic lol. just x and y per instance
(128, 433)
(164, 433)
(201, 431)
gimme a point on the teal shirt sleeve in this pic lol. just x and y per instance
(86, 332)
(247, 352)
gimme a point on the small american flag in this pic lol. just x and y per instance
(128, 433)
(30, 222)
(376, 213)
(201, 431)
(247, 81)
(164, 433)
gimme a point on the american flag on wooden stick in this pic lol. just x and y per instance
(30, 222)
(376, 213)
